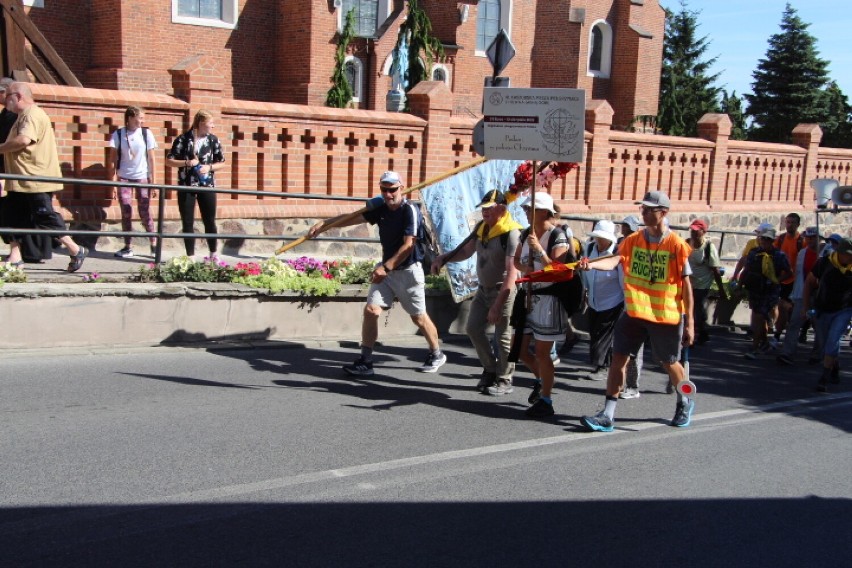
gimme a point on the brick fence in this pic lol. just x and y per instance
(274, 147)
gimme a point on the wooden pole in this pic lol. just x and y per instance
(532, 232)
(354, 214)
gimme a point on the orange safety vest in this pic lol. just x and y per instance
(653, 277)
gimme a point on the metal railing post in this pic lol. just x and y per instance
(161, 210)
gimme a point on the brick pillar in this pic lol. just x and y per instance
(808, 136)
(433, 102)
(197, 81)
(599, 122)
(716, 128)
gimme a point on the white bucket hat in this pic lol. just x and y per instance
(543, 200)
(604, 230)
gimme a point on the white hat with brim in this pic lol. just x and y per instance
(542, 201)
(604, 230)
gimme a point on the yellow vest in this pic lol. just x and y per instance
(653, 277)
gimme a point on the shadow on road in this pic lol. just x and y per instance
(695, 533)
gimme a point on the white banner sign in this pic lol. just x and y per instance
(534, 124)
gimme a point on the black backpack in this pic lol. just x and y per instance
(753, 279)
(569, 292)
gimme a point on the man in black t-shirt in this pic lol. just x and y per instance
(831, 276)
(399, 275)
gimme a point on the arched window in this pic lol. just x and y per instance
(491, 15)
(353, 70)
(439, 73)
(600, 49)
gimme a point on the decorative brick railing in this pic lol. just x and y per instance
(274, 147)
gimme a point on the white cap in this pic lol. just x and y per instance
(763, 227)
(390, 177)
(542, 201)
(604, 230)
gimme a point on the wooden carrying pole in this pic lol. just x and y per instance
(350, 216)
(528, 303)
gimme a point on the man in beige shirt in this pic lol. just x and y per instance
(30, 150)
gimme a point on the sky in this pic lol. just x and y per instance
(738, 32)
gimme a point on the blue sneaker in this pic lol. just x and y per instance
(683, 414)
(600, 422)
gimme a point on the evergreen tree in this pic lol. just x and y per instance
(788, 84)
(340, 94)
(686, 89)
(837, 128)
(733, 106)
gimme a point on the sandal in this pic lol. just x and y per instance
(77, 261)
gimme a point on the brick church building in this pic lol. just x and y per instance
(283, 50)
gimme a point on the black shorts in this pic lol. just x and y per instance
(786, 290)
(29, 211)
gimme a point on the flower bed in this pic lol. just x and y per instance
(11, 274)
(305, 275)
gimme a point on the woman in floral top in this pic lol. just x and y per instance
(198, 154)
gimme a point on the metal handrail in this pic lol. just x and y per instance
(160, 233)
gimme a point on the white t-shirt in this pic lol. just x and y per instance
(134, 161)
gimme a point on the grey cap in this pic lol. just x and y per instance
(631, 221)
(655, 199)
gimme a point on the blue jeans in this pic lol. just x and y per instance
(832, 326)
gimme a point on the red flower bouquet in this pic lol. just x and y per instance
(548, 172)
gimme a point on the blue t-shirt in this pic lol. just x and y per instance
(394, 226)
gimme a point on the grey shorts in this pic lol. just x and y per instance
(406, 284)
(665, 339)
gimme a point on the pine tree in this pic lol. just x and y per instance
(837, 128)
(340, 94)
(686, 89)
(788, 84)
(733, 106)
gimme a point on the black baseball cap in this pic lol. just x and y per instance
(493, 197)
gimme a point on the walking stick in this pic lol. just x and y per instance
(350, 216)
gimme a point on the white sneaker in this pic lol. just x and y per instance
(630, 392)
(433, 363)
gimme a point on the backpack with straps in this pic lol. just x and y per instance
(753, 279)
(569, 292)
(118, 150)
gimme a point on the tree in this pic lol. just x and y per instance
(340, 94)
(416, 34)
(837, 128)
(733, 106)
(788, 84)
(686, 89)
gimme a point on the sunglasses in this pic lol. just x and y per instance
(393, 189)
(646, 208)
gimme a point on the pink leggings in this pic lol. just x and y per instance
(143, 198)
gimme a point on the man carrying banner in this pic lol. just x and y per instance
(494, 241)
(399, 275)
(657, 307)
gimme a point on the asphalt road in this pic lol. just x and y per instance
(271, 456)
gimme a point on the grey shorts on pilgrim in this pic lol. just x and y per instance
(665, 339)
(405, 284)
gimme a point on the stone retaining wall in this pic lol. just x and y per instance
(40, 316)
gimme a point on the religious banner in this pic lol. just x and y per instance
(451, 210)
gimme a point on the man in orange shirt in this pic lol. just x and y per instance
(657, 307)
(790, 243)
